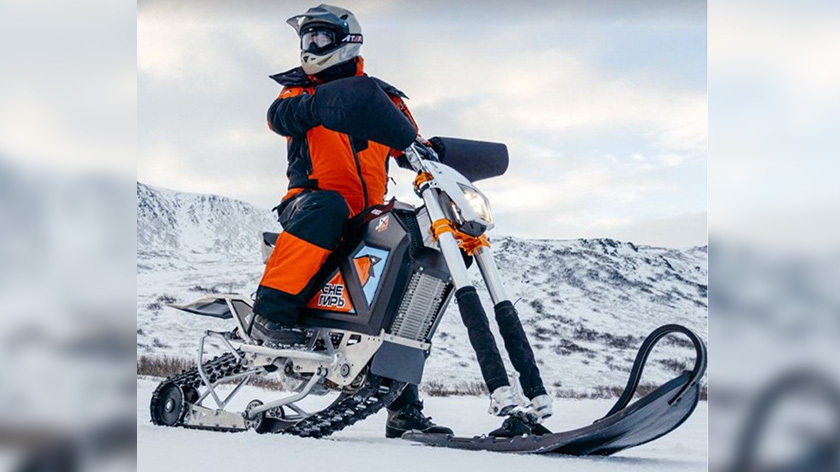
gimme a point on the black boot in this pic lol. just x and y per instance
(411, 418)
(274, 334)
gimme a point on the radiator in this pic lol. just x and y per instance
(420, 307)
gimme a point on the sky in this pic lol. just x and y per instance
(602, 105)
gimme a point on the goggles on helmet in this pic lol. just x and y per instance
(318, 40)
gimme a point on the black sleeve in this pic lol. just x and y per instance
(292, 116)
(357, 106)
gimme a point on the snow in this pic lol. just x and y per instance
(364, 447)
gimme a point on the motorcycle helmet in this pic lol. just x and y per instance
(329, 35)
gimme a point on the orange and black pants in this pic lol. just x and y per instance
(313, 224)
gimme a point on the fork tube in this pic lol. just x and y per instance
(487, 266)
(448, 244)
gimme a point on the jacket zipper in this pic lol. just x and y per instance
(359, 169)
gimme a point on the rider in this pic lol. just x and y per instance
(332, 177)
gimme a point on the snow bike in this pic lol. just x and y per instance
(371, 323)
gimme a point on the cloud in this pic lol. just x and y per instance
(210, 53)
(684, 230)
(497, 96)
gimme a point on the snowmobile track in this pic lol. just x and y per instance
(345, 411)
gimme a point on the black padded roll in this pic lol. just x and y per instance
(476, 160)
(519, 349)
(481, 338)
(359, 107)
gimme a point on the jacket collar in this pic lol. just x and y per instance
(297, 77)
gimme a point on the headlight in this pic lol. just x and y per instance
(479, 204)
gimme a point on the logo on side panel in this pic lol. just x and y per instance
(383, 223)
(365, 267)
(333, 296)
(370, 264)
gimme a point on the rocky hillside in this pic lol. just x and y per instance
(182, 225)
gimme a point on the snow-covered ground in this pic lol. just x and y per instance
(363, 446)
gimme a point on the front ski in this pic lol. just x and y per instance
(651, 417)
(648, 419)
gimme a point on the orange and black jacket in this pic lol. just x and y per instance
(322, 159)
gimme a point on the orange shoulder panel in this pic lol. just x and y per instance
(291, 91)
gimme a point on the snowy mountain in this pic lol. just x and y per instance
(176, 224)
(585, 304)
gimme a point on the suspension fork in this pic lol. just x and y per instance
(472, 313)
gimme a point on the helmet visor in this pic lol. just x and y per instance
(318, 40)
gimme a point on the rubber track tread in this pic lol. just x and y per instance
(368, 400)
(371, 398)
